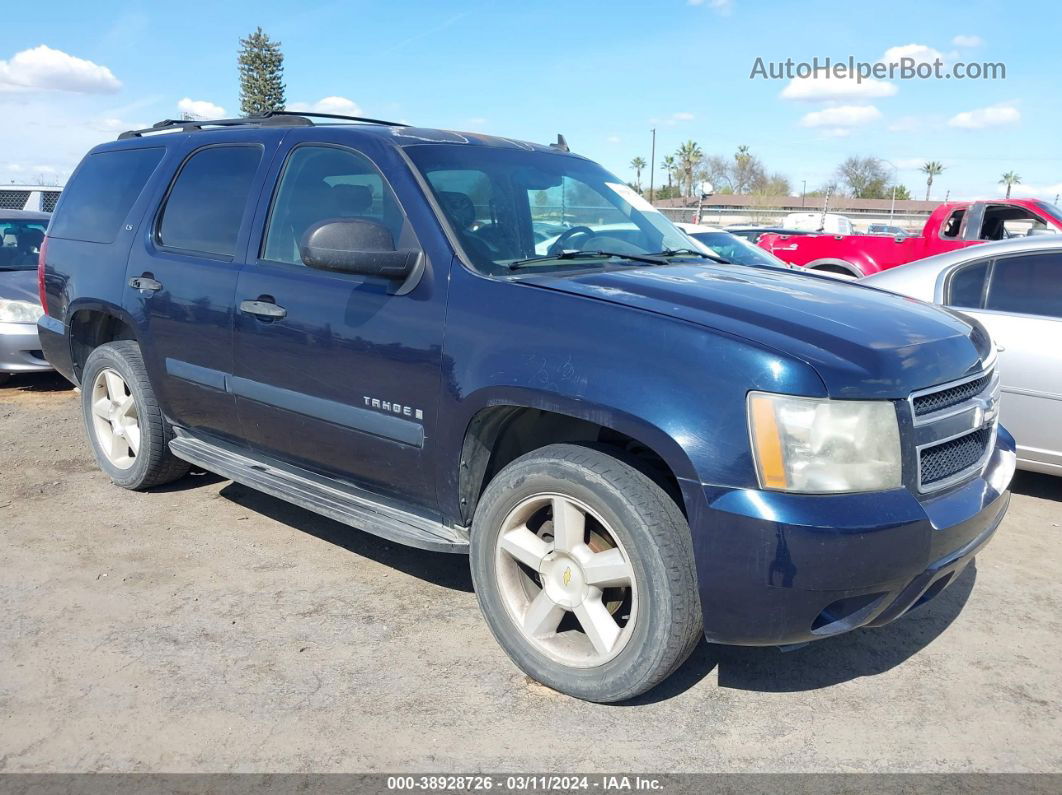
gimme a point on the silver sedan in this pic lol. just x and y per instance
(1014, 288)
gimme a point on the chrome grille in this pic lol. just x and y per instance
(954, 427)
(943, 460)
(946, 398)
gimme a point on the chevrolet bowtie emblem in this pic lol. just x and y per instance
(567, 576)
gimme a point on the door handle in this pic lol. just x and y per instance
(263, 309)
(145, 283)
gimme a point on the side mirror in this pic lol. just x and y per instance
(349, 245)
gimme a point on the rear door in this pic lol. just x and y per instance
(1019, 300)
(181, 276)
(344, 378)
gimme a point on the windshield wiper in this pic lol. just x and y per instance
(687, 252)
(575, 254)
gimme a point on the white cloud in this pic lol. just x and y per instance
(45, 69)
(992, 116)
(340, 105)
(1032, 191)
(201, 108)
(821, 86)
(967, 41)
(841, 116)
(724, 7)
(674, 118)
(906, 124)
(919, 53)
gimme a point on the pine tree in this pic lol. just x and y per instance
(261, 74)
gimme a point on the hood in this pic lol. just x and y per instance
(19, 286)
(862, 342)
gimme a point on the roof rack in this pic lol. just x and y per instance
(270, 118)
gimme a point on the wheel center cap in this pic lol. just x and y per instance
(563, 580)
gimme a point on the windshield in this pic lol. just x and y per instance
(736, 249)
(1052, 211)
(20, 243)
(506, 206)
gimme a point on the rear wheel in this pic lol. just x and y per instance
(583, 567)
(129, 436)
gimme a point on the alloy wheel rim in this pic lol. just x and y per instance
(566, 580)
(115, 419)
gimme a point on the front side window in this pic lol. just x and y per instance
(20, 244)
(207, 200)
(506, 206)
(322, 183)
(1029, 284)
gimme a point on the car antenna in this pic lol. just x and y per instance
(561, 145)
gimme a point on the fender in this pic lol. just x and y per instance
(849, 267)
(97, 306)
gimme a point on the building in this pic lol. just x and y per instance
(29, 197)
(732, 209)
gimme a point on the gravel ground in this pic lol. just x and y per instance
(206, 627)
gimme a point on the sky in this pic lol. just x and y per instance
(602, 73)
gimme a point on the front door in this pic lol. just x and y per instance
(338, 373)
(1019, 300)
(181, 279)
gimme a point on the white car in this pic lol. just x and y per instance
(1014, 288)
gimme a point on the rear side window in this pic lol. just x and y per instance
(96, 202)
(1030, 284)
(967, 285)
(206, 202)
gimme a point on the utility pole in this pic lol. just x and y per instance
(947, 196)
(803, 191)
(652, 165)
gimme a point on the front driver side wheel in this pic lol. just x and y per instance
(583, 567)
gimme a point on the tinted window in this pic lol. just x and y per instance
(207, 200)
(966, 287)
(1030, 284)
(324, 182)
(95, 203)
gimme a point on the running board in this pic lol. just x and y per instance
(328, 499)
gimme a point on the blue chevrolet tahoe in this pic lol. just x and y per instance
(480, 345)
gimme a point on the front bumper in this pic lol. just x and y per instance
(777, 568)
(20, 349)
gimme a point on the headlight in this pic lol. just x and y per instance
(19, 311)
(815, 445)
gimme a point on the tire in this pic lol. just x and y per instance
(130, 405)
(627, 516)
(4, 378)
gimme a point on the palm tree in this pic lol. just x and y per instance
(931, 168)
(1010, 179)
(689, 155)
(669, 165)
(638, 164)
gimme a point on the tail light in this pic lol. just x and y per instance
(40, 273)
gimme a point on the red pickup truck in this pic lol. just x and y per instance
(951, 226)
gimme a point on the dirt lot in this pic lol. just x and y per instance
(205, 627)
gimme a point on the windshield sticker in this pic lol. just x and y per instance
(631, 196)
